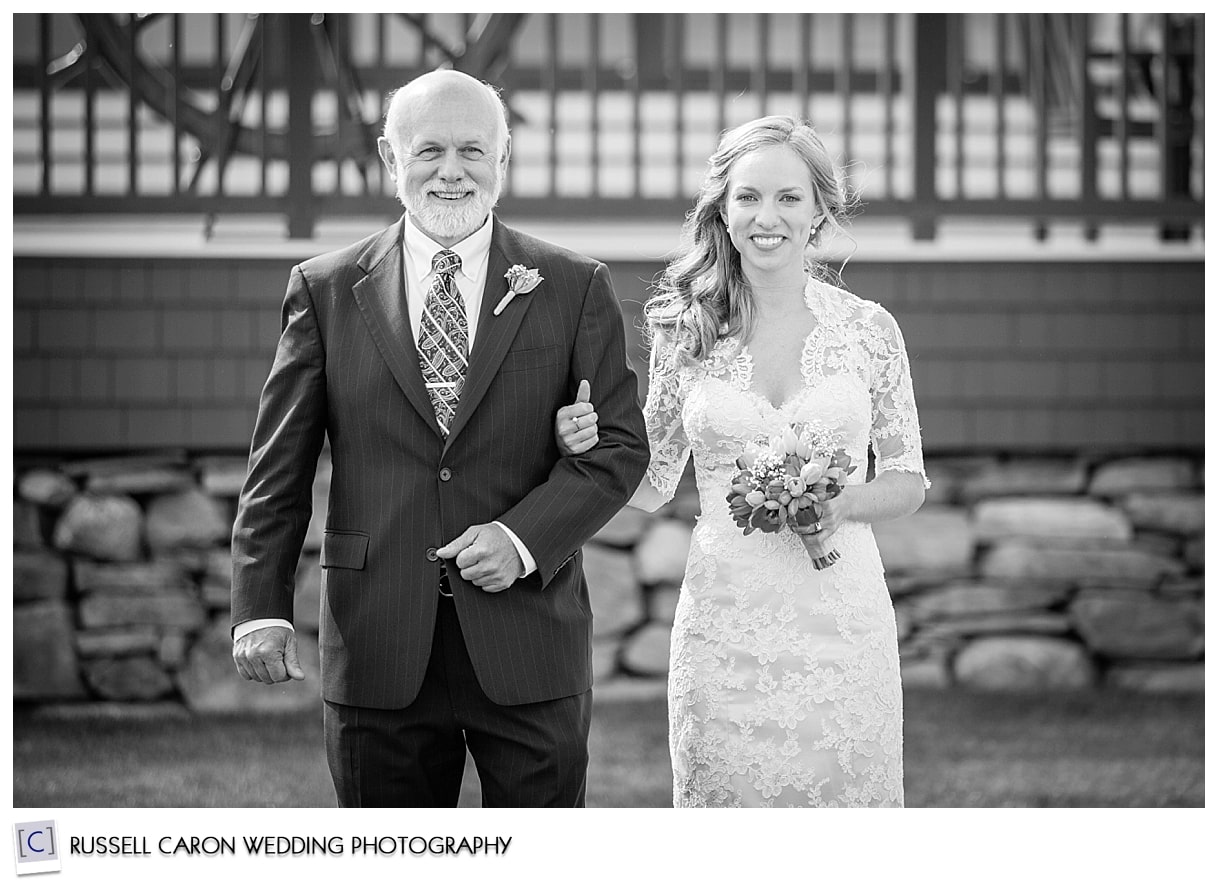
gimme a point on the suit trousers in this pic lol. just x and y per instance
(528, 755)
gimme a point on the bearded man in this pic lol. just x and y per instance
(434, 355)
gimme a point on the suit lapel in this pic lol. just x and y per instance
(381, 296)
(495, 332)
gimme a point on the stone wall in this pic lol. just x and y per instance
(1018, 573)
(1052, 573)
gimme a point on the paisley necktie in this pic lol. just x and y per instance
(444, 339)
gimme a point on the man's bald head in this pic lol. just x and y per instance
(439, 88)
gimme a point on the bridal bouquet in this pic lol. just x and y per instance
(783, 483)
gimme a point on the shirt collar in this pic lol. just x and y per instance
(473, 250)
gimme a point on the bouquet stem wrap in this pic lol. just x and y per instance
(822, 551)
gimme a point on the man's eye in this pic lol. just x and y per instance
(473, 151)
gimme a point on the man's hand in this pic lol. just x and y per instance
(486, 557)
(268, 655)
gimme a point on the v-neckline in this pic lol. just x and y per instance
(745, 353)
(747, 385)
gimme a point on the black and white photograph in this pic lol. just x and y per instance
(442, 410)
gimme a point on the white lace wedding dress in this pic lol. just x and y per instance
(784, 687)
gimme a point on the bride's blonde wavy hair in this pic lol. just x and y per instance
(703, 294)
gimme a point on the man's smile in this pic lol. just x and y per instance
(447, 196)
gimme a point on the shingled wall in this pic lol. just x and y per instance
(124, 353)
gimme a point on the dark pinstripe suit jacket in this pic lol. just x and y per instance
(346, 366)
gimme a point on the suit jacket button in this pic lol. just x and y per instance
(431, 555)
(446, 474)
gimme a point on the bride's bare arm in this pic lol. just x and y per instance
(646, 497)
(890, 495)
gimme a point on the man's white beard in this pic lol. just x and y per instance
(449, 221)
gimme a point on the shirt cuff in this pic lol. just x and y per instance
(254, 624)
(530, 565)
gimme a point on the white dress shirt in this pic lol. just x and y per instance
(418, 249)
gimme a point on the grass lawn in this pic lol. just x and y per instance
(961, 749)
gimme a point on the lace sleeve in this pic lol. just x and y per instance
(665, 429)
(896, 436)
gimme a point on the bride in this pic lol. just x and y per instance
(784, 685)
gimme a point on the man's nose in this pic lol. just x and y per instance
(450, 166)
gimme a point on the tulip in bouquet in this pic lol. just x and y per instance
(783, 484)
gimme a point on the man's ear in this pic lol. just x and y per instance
(507, 152)
(385, 149)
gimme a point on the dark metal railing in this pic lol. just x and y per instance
(1097, 118)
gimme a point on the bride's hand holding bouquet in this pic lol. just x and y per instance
(816, 536)
(796, 481)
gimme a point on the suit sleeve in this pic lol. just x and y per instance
(583, 492)
(277, 499)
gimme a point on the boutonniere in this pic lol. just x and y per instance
(520, 281)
